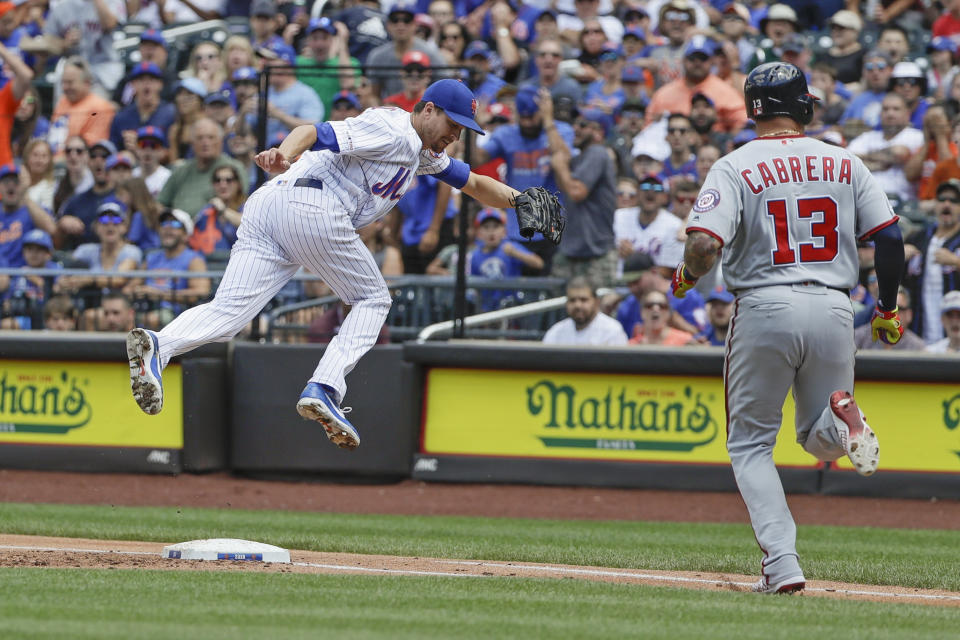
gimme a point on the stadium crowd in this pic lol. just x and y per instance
(118, 160)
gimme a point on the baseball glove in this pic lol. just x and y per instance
(539, 210)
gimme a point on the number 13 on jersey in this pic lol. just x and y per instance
(821, 214)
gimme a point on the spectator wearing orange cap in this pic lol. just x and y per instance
(415, 76)
(10, 96)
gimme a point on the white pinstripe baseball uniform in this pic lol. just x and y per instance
(309, 216)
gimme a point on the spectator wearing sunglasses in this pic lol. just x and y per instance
(75, 225)
(646, 233)
(150, 152)
(587, 11)
(865, 106)
(681, 163)
(655, 311)
(933, 262)
(77, 178)
(547, 58)
(215, 226)
(147, 108)
(402, 32)
(264, 24)
(697, 77)
(165, 297)
(909, 81)
(846, 55)
(111, 252)
(415, 76)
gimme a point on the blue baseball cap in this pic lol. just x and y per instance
(193, 85)
(112, 205)
(631, 74)
(477, 48)
(488, 213)
(38, 237)
(347, 96)
(700, 44)
(151, 132)
(146, 69)
(117, 160)
(155, 36)
(224, 96)
(278, 50)
(526, 102)
(610, 52)
(456, 99)
(106, 145)
(8, 169)
(598, 116)
(635, 32)
(942, 43)
(721, 294)
(322, 24)
(245, 74)
(700, 95)
(403, 6)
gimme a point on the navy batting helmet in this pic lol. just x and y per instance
(778, 89)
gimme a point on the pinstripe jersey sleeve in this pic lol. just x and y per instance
(370, 135)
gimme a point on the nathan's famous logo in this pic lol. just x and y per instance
(951, 414)
(32, 403)
(644, 419)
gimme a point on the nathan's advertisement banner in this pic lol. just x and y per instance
(84, 404)
(594, 416)
(660, 418)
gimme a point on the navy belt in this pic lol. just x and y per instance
(308, 182)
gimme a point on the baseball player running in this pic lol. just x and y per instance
(350, 174)
(787, 211)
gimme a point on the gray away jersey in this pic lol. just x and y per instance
(790, 210)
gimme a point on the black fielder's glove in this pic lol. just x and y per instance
(539, 210)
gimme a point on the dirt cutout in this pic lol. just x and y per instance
(46, 552)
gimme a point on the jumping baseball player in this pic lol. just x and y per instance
(787, 211)
(350, 173)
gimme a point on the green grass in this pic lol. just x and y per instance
(103, 604)
(904, 557)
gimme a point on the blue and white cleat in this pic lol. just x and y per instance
(316, 404)
(145, 380)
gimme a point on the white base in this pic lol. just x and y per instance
(226, 549)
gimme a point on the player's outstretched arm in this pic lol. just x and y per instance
(489, 191)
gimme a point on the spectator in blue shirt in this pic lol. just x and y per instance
(75, 225)
(877, 69)
(146, 109)
(18, 216)
(482, 82)
(719, 312)
(24, 296)
(497, 258)
(681, 163)
(525, 148)
(290, 102)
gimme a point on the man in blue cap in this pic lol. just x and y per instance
(328, 50)
(18, 216)
(719, 312)
(290, 103)
(349, 174)
(484, 84)
(526, 148)
(147, 107)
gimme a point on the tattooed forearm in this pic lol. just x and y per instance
(700, 253)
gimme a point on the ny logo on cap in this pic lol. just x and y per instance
(473, 107)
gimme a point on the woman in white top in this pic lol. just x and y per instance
(38, 172)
